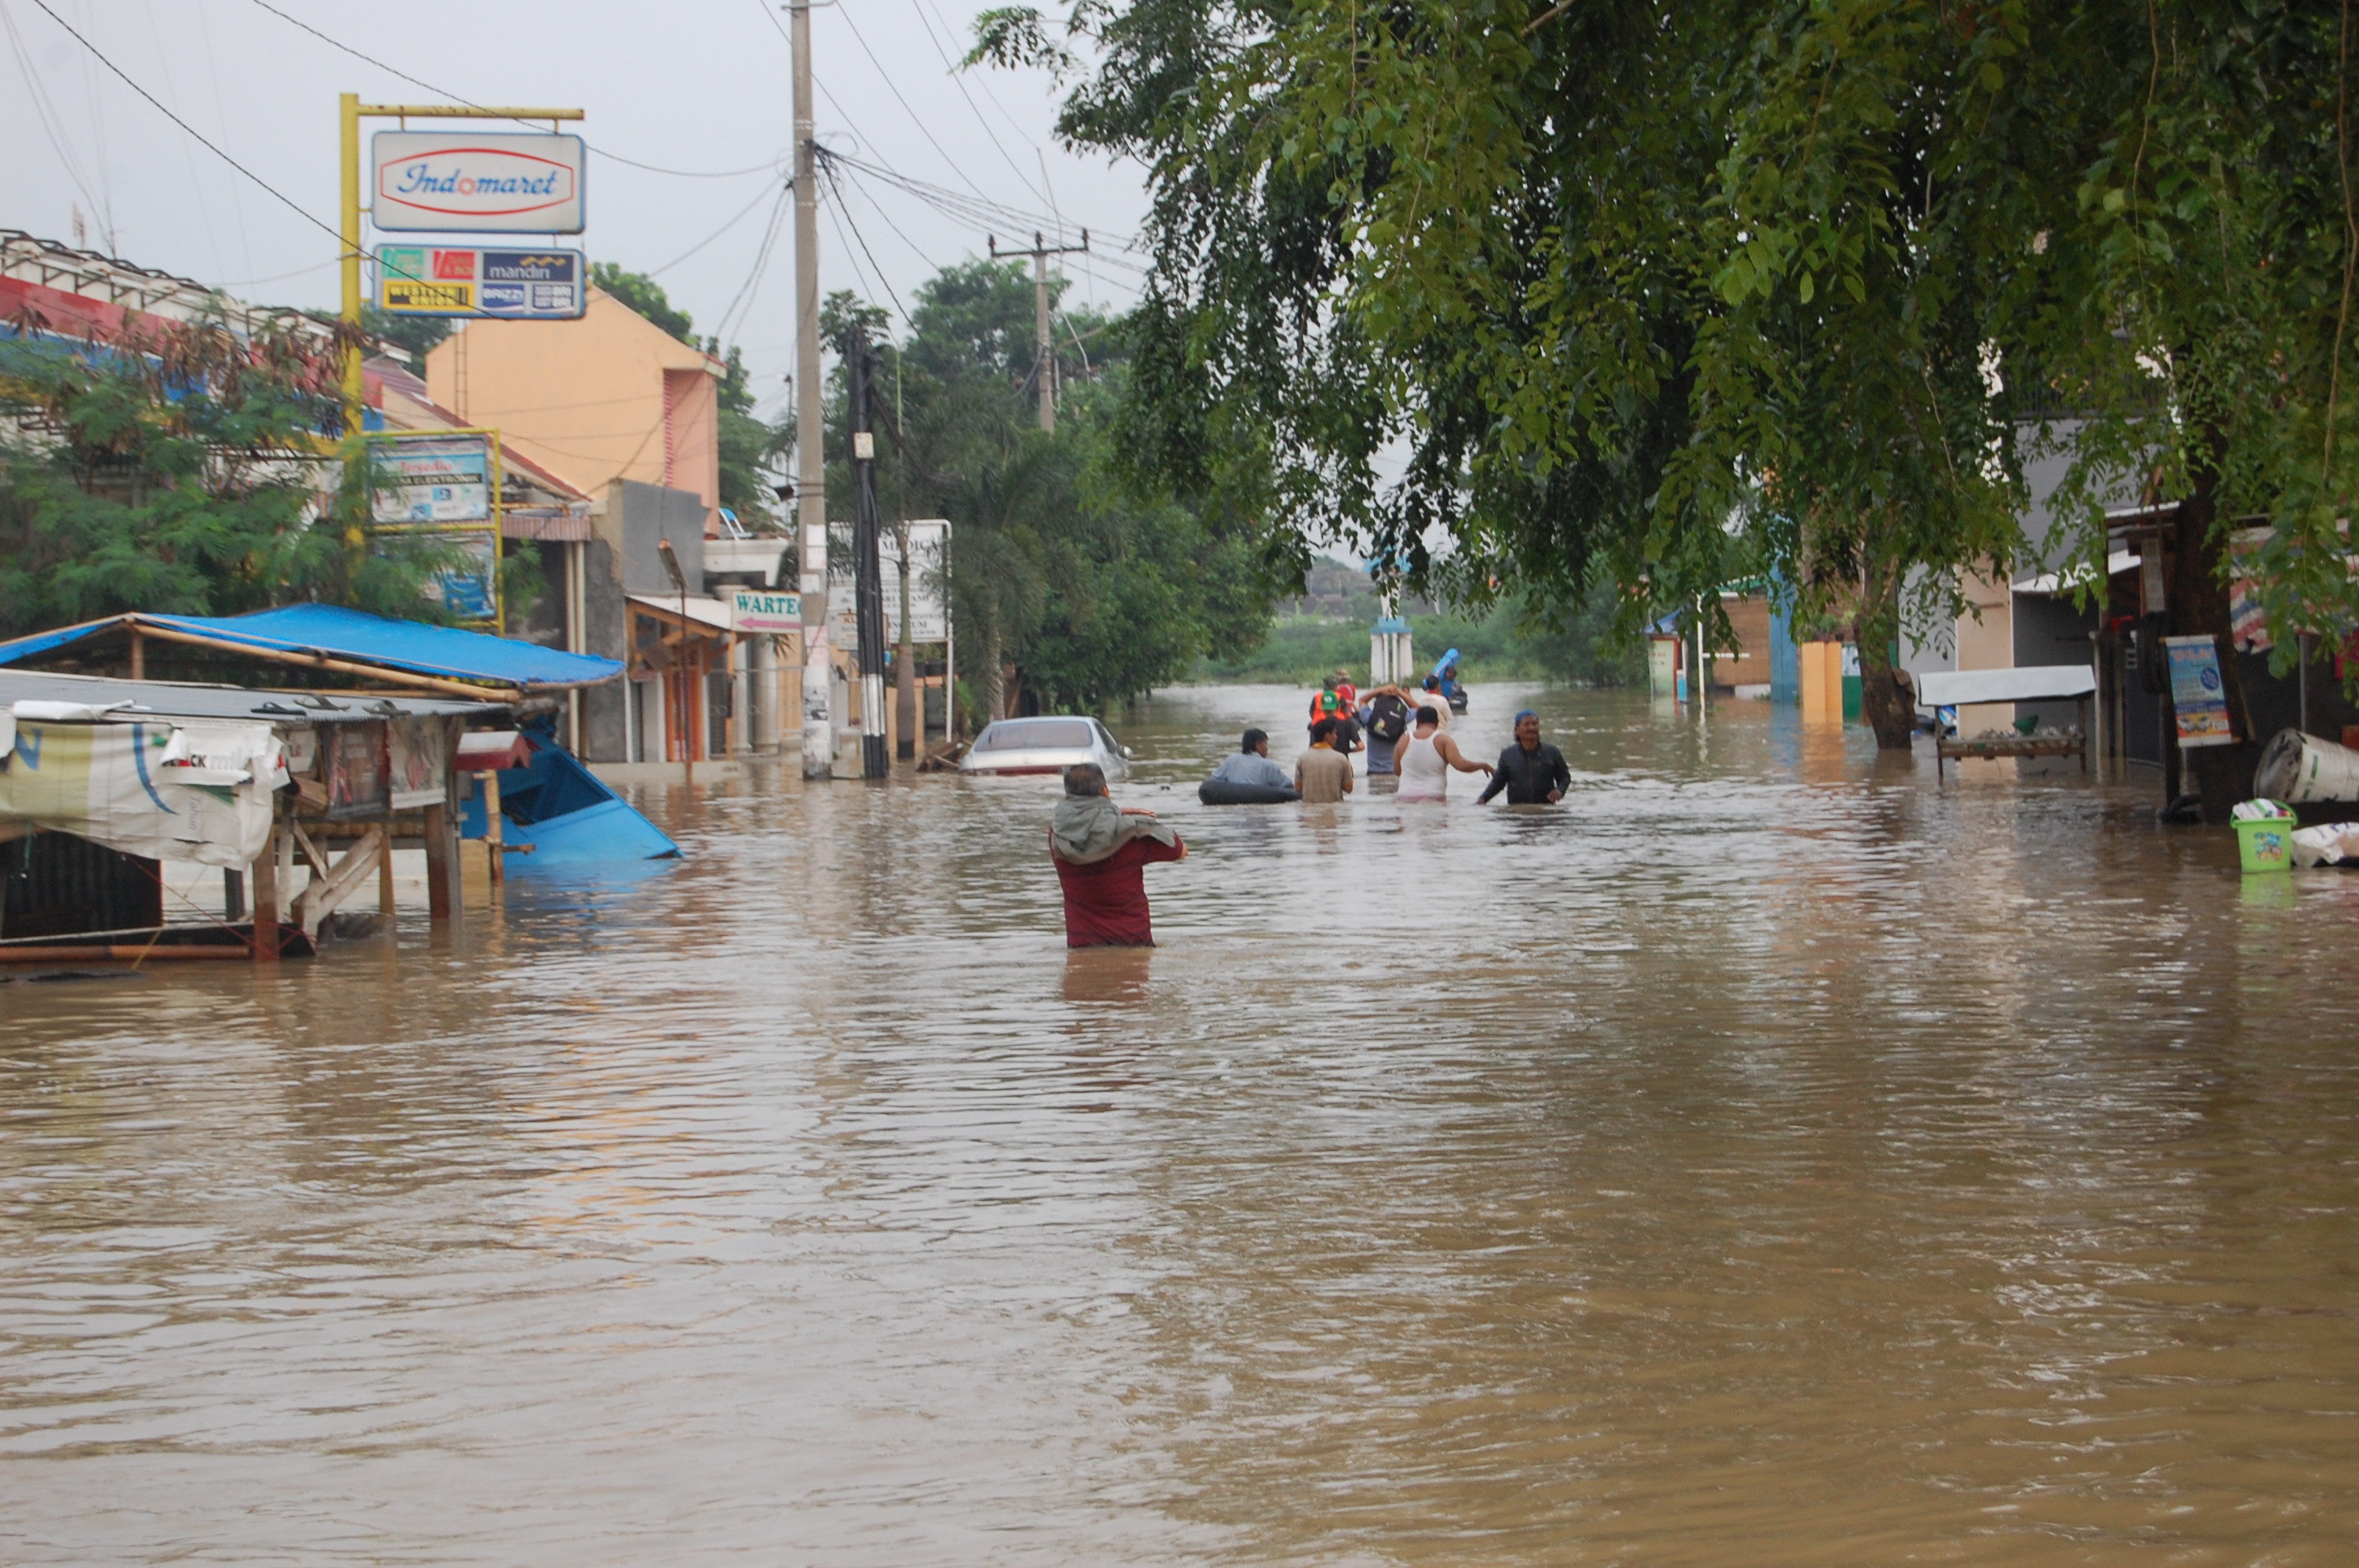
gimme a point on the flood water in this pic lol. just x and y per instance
(1766, 1157)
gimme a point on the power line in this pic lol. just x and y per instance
(44, 111)
(966, 209)
(288, 200)
(716, 233)
(895, 91)
(761, 264)
(984, 83)
(465, 103)
(957, 81)
(886, 218)
(870, 255)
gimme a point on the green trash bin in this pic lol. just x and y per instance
(2265, 845)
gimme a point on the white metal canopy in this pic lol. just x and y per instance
(2024, 683)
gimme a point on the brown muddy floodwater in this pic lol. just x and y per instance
(1767, 1157)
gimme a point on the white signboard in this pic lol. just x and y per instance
(930, 620)
(760, 610)
(435, 480)
(475, 181)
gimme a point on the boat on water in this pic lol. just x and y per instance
(551, 802)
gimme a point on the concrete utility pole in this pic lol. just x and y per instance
(869, 581)
(1046, 368)
(810, 460)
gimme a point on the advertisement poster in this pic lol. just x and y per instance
(418, 753)
(354, 759)
(2196, 692)
(469, 590)
(434, 478)
(448, 280)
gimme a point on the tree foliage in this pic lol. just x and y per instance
(182, 470)
(1092, 589)
(1649, 293)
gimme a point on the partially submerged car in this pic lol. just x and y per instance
(1044, 745)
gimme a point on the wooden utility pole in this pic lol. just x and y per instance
(1045, 370)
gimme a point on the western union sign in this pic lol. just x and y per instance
(462, 280)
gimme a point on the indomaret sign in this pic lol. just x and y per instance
(476, 182)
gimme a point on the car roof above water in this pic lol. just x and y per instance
(1035, 734)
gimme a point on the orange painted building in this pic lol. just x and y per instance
(612, 396)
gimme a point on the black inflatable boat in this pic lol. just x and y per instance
(1220, 792)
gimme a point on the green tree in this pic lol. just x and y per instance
(1657, 298)
(1089, 587)
(183, 473)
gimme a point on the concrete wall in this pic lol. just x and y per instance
(603, 627)
(636, 519)
(610, 396)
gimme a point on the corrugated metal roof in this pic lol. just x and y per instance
(356, 637)
(185, 699)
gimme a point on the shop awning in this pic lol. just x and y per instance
(348, 642)
(2024, 683)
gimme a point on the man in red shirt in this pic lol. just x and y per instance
(1106, 900)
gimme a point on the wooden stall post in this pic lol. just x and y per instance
(438, 879)
(385, 871)
(494, 843)
(265, 896)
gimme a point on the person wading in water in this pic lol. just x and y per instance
(1425, 756)
(1100, 853)
(1531, 771)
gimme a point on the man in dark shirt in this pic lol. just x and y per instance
(1105, 900)
(1532, 774)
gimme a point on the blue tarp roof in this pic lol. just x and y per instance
(361, 638)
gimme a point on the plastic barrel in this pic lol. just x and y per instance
(2296, 766)
(2267, 845)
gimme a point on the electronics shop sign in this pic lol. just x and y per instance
(476, 182)
(463, 280)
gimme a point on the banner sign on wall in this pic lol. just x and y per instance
(761, 611)
(930, 618)
(465, 280)
(435, 479)
(473, 182)
(2197, 696)
(437, 489)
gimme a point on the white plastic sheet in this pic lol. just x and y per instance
(195, 790)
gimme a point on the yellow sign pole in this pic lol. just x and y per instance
(351, 113)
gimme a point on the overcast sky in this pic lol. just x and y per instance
(698, 88)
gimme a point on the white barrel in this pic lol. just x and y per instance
(2303, 767)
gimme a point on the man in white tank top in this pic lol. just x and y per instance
(1425, 756)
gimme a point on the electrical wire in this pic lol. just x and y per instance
(220, 122)
(860, 39)
(44, 111)
(716, 233)
(959, 81)
(869, 254)
(745, 294)
(284, 199)
(466, 104)
(887, 219)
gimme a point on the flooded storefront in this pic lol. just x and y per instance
(1768, 1156)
